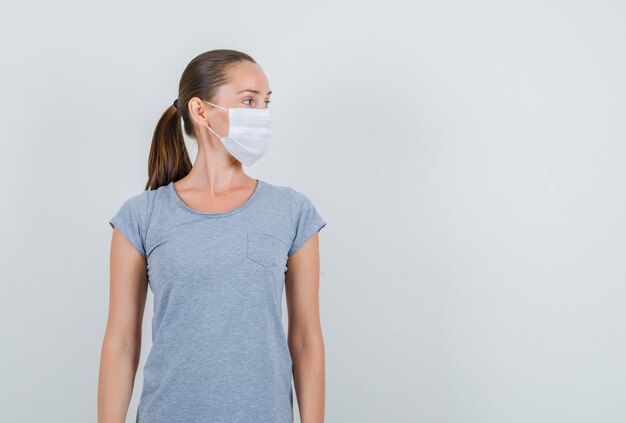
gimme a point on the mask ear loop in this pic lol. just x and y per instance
(209, 128)
(208, 102)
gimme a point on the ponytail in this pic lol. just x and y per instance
(169, 160)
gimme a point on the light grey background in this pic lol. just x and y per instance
(467, 156)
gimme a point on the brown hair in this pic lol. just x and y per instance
(168, 160)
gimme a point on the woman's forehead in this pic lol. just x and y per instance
(248, 78)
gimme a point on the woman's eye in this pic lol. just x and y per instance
(267, 102)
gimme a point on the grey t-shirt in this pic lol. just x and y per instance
(219, 351)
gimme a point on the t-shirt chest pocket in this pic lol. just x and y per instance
(266, 249)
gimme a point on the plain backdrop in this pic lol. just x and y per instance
(468, 157)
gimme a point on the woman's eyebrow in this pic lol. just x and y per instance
(253, 91)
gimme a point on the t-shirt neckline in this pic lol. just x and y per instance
(237, 209)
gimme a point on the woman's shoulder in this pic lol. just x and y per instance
(287, 192)
(140, 204)
(136, 201)
(293, 198)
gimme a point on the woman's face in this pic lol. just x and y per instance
(248, 87)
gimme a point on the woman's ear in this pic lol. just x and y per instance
(198, 111)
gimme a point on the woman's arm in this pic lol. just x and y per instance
(306, 343)
(121, 346)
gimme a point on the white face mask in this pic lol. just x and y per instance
(249, 133)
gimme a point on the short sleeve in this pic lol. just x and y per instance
(130, 220)
(305, 219)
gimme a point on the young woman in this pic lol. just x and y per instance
(216, 248)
